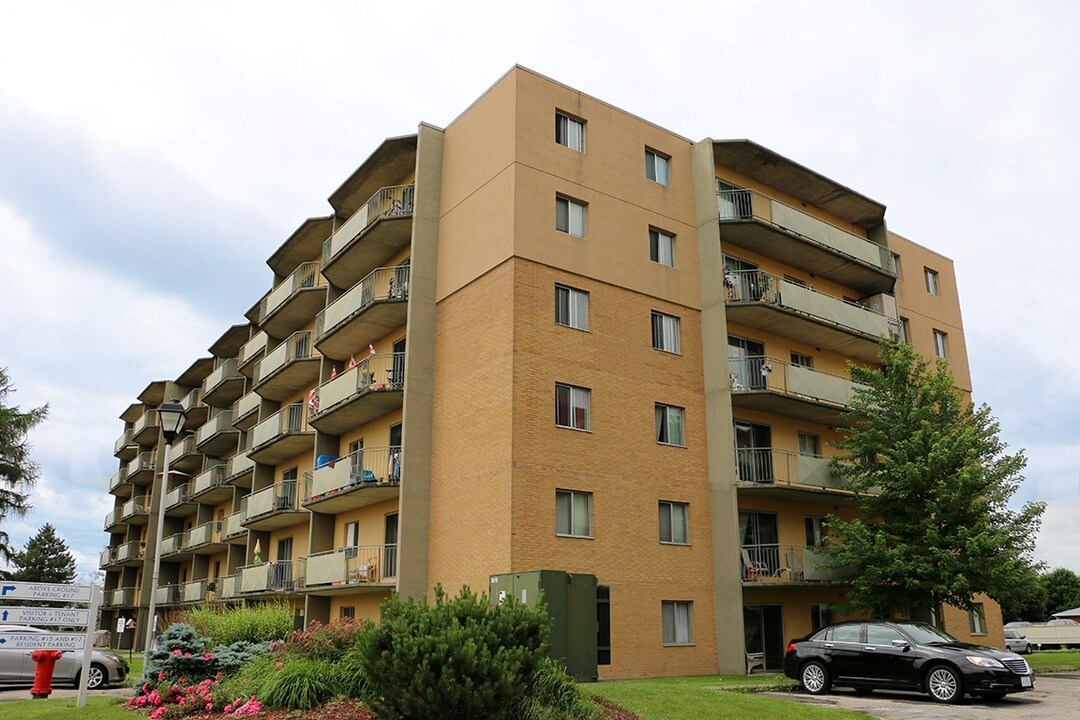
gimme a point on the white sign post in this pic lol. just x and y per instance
(54, 592)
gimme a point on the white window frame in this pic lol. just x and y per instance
(577, 399)
(670, 422)
(571, 307)
(658, 167)
(676, 533)
(677, 620)
(941, 344)
(661, 247)
(575, 213)
(570, 501)
(569, 131)
(933, 285)
(977, 619)
(666, 332)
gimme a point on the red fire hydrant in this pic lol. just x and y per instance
(46, 661)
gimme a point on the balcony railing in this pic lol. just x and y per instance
(385, 284)
(177, 496)
(135, 506)
(375, 373)
(296, 347)
(274, 576)
(387, 202)
(751, 373)
(122, 596)
(231, 526)
(274, 499)
(247, 404)
(769, 466)
(238, 465)
(208, 480)
(172, 544)
(143, 462)
(193, 592)
(228, 587)
(224, 372)
(192, 399)
(107, 557)
(365, 467)
(118, 479)
(365, 564)
(253, 349)
(168, 595)
(789, 564)
(288, 420)
(204, 534)
(305, 276)
(122, 442)
(133, 550)
(113, 517)
(222, 422)
(145, 428)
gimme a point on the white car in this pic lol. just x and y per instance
(17, 667)
(1016, 642)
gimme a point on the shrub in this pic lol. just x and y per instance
(298, 684)
(253, 623)
(553, 695)
(458, 658)
(183, 654)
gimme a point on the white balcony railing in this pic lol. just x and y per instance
(287, 420)
(769, 466)
(203, 534)
(253, 347)
(380, 285)
(172, 544)
(231, 525)
(757, 372)
(142, 461)
(265, 577)
(303, 277)
(238, 464)
(212, 478)
(226, 370)
(348, 565)
(368, 466)
(387, 202)
(194, 591)
(296, 347)
(222, 422)
(280, 497)
(135, 506)
(385, 371)
(123, 441)
(148, 420)
(788, 563)
(192, 399)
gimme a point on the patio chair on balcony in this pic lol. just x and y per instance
(752, 569)
(364, 573)
(794, 568)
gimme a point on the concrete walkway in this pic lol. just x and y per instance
(22, 692)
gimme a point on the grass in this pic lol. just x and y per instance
(1054, 661)
(96, 708)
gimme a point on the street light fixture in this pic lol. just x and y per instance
(171, 420)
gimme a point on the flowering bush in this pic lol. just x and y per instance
(168, 700)
(321, 642)
(183, 654)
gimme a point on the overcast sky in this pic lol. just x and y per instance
(153, 155)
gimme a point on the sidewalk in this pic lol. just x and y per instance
(22, 692)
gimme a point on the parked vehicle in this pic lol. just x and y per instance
(17, 667)
(1053, 634)
(901, 655)
(1017, 642)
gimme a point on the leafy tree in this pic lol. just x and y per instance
(45, 558)
(1029, 603)
(1062, 590)
(933, 484)
(17, 472)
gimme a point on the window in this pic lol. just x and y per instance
(843, 633)
(941, 344)
(352, 534)
(569, 132)
(348, 612)
(977, 620)
(678, 617)
(809, 445)
(573, 513)
(603, 624)
(815, 531)
(932, 286)
(882, 634)
(905, 330)
(734, 201)
(820, 616)
(661, 247)
(803, 361)
(673, 523)
(669, 425)
(665, 332)
(656, 167)
(571, 407)
(571, 307)
(570, 216)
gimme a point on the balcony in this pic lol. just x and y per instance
(365, 477)
(193, 592)
(269, 577)
(209, 487)
(775, 386)
(274, 507)
(106, 557)
(287, 369)
(122, 597)
(130, 553)
(118, 484)
(253, 351)
(348, 569)
(136, 511)
(776, 473)
(370, 309)
(167, 595)
(229, 587)
(775, 564)
(140, 471)
(224, 385)
(375, 233)
(174, 546)
(283, 435)
(125, 447)
(218, 435)
(195, 410)
(774, 304)
(205, 539)
(186, 456)
(293, 303)
(359, 395)
(112, 520)
(146, 428)
(247, 411)
(178, 502)
(233, 530)
(761, 224)
(239, 470)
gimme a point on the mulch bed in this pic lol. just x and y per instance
(613, 711)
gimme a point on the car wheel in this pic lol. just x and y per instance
(815, 678)
(945, 684)
(97, 677)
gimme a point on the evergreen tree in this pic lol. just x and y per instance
(933, 485)
(17, 472)
(45, 558)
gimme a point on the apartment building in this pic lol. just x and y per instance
(551, 335)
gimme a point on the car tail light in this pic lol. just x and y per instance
(790, 647)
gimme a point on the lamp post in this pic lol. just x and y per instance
(171, 418)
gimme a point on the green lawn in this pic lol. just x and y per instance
(1054, 661)
(97, 708)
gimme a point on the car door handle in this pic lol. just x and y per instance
(869, 648)
(828, 645)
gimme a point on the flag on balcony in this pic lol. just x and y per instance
(371, 349)
(333, 371)
(352, 361)
(313, 401)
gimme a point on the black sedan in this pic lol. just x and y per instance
(901, 655)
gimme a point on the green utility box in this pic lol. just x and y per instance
(571, 604)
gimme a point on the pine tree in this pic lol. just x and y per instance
(17, 472)
(45, 558)
(933, 487)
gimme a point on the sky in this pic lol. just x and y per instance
(153, 155)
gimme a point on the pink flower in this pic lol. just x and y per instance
(176, 651)
(279, 664)
(209, 706)
(161, 675)
(207, 656)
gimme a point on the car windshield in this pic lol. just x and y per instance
(925, 634)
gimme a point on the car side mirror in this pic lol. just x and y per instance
(902, 644)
